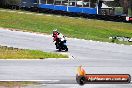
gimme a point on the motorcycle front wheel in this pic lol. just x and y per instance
(66, 49)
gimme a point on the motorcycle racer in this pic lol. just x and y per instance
(58, 37)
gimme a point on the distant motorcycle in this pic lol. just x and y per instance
(61, 45)
(60, 40)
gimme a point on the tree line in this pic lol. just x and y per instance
(10, 2)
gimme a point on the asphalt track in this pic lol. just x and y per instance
(96, 57)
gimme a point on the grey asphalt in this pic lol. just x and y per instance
(96, 57)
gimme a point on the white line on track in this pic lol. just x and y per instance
(30, 80)
(33, 81)
(37, 59)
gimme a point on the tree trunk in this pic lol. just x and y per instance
(125, 7)
(131, 7)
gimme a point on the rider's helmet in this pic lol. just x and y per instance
(55, 32)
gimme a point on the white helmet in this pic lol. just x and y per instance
(55, 30)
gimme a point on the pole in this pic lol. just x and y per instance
(89, 3)
(131, 7)
(75, 2)
(46, 1)
(54, 2)
(97, 7)
(67, 5)
(82, 3)
(61, 2)
(39, 1)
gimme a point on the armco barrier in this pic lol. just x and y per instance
(47, 6)
(69, 8)
(58, 7)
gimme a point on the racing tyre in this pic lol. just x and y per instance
(59, 49)
(66, 49)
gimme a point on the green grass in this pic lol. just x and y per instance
(11, 53)
(11, 84)
(71, 27)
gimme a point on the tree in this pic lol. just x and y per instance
(125, 7)
(9, 2)
(125, 4)
(131, 6)
(13, 2)
(2, 3)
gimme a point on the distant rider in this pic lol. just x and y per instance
(58, 38)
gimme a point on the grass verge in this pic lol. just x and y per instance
(72, 27)
(14, 53)
(14, 84)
